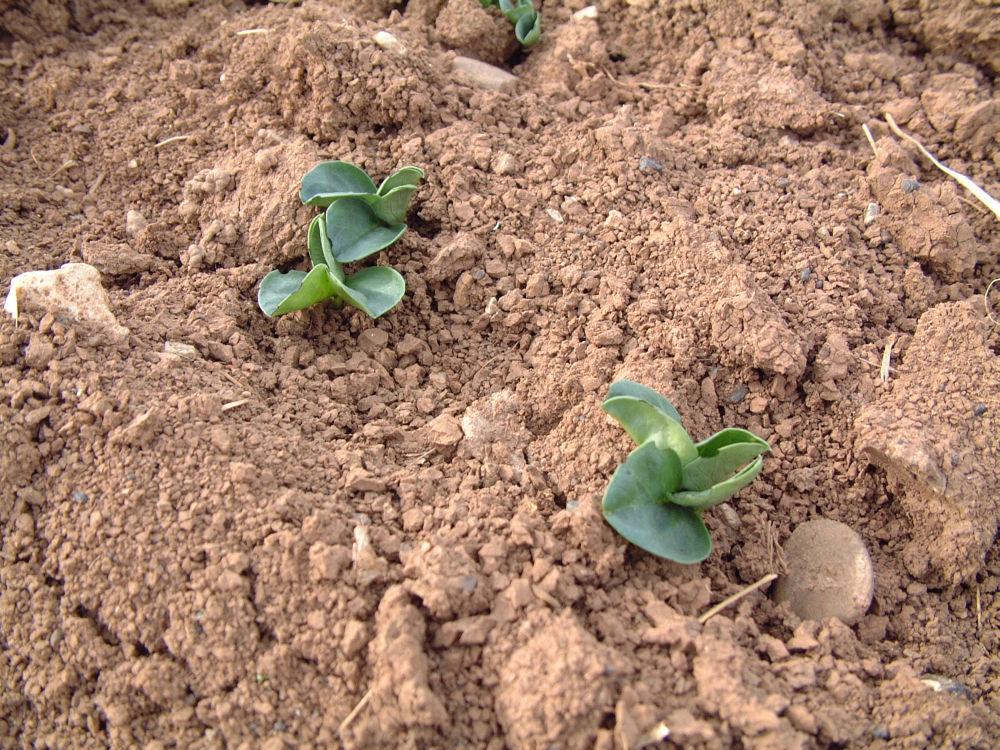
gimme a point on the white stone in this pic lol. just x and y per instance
(388, 41)
(482, 74)
(73, 292)
(135, 222)
(584, 13)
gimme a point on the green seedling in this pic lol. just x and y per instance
(523, 16)
(360, 220)
(656, 497)
(374, 290)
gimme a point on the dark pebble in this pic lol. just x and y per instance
(806, 274)
(980, 410)
(737, 395)
(819, 283)
(910, 185)
(647, 164)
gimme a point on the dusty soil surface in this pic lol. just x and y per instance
(225, 531)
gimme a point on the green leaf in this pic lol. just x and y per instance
(391, 208)
(644, 393)
(330, 180)
(528, 29)
(403, 176)
(720, 456)
(355, 231)
(319, 246)
(643, 422)
(634, 504)
(374, 290)
(282, 293)
(720, 492)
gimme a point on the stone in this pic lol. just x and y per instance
(482, 74)
(388, 41)
(830, 572)
(73, 293)
(135, 222)
(444, 432)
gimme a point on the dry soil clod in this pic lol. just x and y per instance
(829, 572)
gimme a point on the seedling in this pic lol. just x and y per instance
(523, 16)
(655, 499)
(360, 220)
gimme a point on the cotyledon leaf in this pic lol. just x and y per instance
(721, 456)
(410, 176)
(374, 290)
(355, 231)
(643, 421)
(282, 293)
(635, 506)
(329, 181)
(645, 393)
(720, 492)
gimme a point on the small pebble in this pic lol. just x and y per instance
(648, 164)
(482, 74)
(910, 185)
(830, 573)
(819, 283)
(871, 213)
(806, 274)
(980, 410)
(584, 13)
(135, 222)
(880, 733)
(738, 394)
(940, 684)
(79, 496)
(388, 41)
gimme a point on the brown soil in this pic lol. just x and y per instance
(405, 513)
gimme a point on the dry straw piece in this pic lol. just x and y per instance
(985, 198)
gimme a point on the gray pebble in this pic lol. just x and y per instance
(79, 496)
(819, 283)
(980, 410)
(910, 185)
(468, 584)
(806, 274)
(940, 684)
(738, 394)
(648, 164)
(871, 213)
(830, 573)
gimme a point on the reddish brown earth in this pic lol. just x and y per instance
(405, 513)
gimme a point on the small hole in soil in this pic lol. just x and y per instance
(103, 630)
(140, 648)
(426, 228)
(616, 57)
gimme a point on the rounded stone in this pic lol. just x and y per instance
(829, 573)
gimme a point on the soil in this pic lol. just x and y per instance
(225, 531)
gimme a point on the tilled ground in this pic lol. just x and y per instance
(226, 531)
